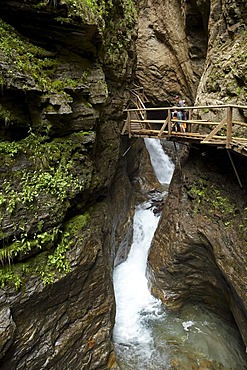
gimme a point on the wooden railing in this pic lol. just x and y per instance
(223, 131)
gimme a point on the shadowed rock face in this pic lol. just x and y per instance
(65, 194)
(171, 48)
(198, 253)
(64, 189)
(224, 76)
(198, 49)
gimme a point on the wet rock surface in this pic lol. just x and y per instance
(198, 252)
(169, 58)
(223, 79)
(65, 193)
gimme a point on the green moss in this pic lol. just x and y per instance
(49, 266)
(243, 225)
(226, 72)
(5, 114)
(35, 63)
(24, 245)
(57, 264)
(2, 81)
(11, 277)
(209, 197)
(120, 20)
(76, 223)
(50, 171)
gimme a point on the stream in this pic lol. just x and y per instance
(148, 337)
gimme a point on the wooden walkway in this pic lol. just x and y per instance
(230, 131)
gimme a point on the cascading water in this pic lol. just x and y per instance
(146, 337)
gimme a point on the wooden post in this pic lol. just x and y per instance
(189, 118)
(129, 123)
(229, 128)
(169, 122)
(126, 125)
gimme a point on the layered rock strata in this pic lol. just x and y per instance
(64, 192)
(198, 253)
(171, 49)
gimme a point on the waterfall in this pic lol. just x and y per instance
(162, 165)
(133, 298)
(146, 337)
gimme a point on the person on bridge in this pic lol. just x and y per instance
(175, 118)
(181, 114)
(185, 112)
(178, 126)
(179, 102)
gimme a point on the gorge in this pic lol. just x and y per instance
(67, 192)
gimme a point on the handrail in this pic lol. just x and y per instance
(192, 107)
(230, 138)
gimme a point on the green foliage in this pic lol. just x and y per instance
(2, 81)
(57, 264)
(76, 223)
(24, 245)
(209, 197)
(8, 276)
(51, 171)
(119, 25)
(9, 148)
(5, 114)
(48, 265)
(228, 75)
(35, 63)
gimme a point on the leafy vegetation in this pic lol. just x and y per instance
(37, 64)
(47, 265)
(228, 75)
(211, 197)
(51, 170)
(37, 169)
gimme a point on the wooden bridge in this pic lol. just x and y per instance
(229, 131)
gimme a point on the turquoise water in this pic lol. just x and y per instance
(193, 339)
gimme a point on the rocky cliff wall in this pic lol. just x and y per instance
(192, 48)
(197, 49)
(65, 195)
(198, 253)
(224, 77)
(171, 49)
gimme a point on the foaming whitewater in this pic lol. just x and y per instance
(131, 289)
(133, 299)
(145, 336)
(162, 164)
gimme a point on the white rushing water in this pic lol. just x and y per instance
(133, 298)
(131, 289)
(145, 336)
(162, 164)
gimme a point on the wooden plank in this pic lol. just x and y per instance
(163, 127)
(196, 122)
(129, 125)
(216, 129)
(162, 121)
(238, 123)
(126, 125)
(169, 122)
(214, 142)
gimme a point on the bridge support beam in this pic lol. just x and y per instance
(229, 128)
(234, 168)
